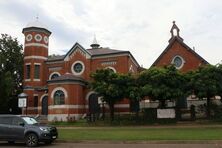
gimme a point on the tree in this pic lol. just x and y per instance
(108, 85)
(219, 80)
(11, 69)
(162, 84)
(132, 91)
(205, 83)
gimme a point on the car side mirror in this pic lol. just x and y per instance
(22, 124)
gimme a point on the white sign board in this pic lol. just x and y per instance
(22, 102)
(166, 113)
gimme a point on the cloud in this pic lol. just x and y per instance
(139, 26)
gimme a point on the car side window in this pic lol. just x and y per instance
(17, 121)
(6, 120)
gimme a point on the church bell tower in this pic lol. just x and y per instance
(35, 54)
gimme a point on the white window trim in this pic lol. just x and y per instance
(112, 68)
(83, 68)
(59, 88)
(28, 37)
(183, 61)
(36, 37)
(50, 76)
(36, 80)
(131, 69)
(27, 80)
(39, 71)
(46, 39)
(34, 95)
(43, 97)
(88, 94)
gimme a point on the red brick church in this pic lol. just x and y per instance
(178, 53)
(56, 85)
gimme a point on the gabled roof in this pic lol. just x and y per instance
(74, 47)
(99, 52)
(66, 56)
(93, 52)
(184, 45)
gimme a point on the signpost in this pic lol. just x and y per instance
(22, 101)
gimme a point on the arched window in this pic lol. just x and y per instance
(111, 68)
(59, 97)
(55, 75)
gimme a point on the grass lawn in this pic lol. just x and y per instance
(141, 133)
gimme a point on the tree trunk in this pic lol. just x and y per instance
(137, 116)
(162, 104)
(111, 106)
(208, 107)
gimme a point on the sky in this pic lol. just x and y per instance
(139, 26)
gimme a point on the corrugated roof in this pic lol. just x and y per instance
(101, 51)
(56, 57)
(68, 77)
(93, 52)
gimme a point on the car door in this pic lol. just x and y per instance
(5, 126)
(18, 128)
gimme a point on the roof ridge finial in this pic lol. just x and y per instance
(94, 39)
(94, 43)
(175, 32)
(37, 17)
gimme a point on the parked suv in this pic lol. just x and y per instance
(24, 128)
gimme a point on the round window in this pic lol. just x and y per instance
(28, 37)
(78, 68)
(178, 62)
(46, 39)
(38, 37)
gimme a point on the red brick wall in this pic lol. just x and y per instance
(75, 97)
(32, 50)
(192, 62)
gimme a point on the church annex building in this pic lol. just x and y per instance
(56, 85)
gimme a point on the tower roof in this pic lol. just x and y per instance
(94, 44)
(36, 24)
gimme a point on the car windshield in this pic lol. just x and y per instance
(30, 120)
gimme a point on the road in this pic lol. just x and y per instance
(108, 145)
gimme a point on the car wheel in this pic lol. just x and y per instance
(31, 140)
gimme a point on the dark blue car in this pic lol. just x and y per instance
(24, 128)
